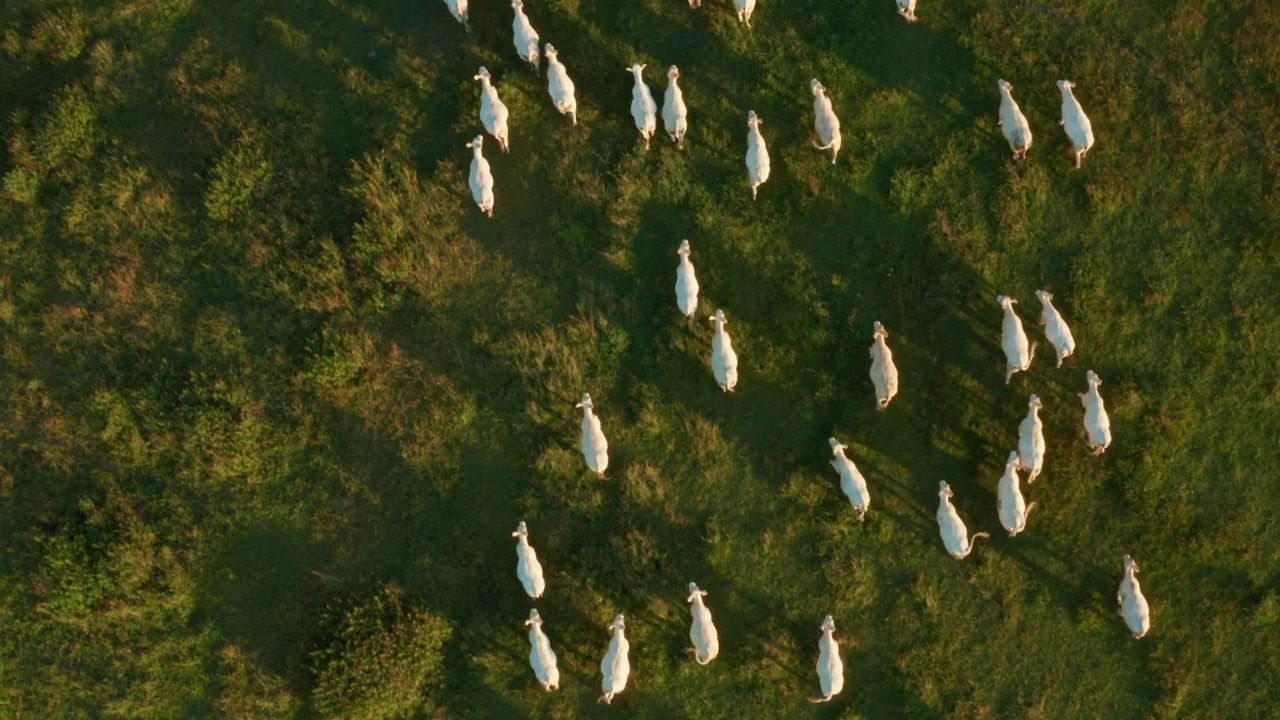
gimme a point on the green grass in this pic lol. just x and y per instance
(275, 393)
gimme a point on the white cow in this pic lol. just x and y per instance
(595, 448)
(1075, 122)
(830, 667)
(744, 8)
(1097, 425)
(481, 179)
(1013, 123)
(1055, 328)
(907, 9)
(541, 656)
(493, 113)
(674, 113)
(525, 37)
(851, 481)
(955, 536)
(643, 110)
(458, 8)
(560, 86)
(1013, 509)
(825, 120)
(724, 361)
(1031, 440)
(757, 154)
(616, 666)
(528, 569)
(706, 642)
(686, 282)
(1133, 606)
(1014, 340)
(884, 374)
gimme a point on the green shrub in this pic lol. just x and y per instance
(70, 581)
(68, 134)
(384, 660)
(22, 186)
(240, 180)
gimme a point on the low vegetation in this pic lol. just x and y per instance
(274, 393)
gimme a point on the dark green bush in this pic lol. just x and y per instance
(383, 661)
(22, 186)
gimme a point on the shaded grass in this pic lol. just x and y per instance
(261, 354)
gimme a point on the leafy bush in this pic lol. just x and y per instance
(240, 180)
(22, 186)
(384, 661)
(68, 134)
(71, 582)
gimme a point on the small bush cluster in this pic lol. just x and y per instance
(383, 661)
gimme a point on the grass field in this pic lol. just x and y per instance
(275, 393)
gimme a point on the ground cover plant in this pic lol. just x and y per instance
(275, 392)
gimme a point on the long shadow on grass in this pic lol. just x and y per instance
(27, 88)
(674, 36)
(445, 538)
(574, 544)
(551, 218)
(911, 496)
(1085, 588)
(772, 450)
(640, 556)
(966, 322)
(972, 318)
(918, 57)
(263, 591)
(243, 64)
(487, 701)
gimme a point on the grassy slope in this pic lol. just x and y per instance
(261, 351)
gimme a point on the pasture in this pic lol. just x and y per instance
(274, 393)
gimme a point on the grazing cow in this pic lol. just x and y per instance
(674, 112)
(686, 282)
(825, 121)
(560, 86)
(724, 361)
(706, 642)
(458, 9)
(1011, 506)
(1097, 425)
(481, 179)
(643, 110)
(493, 113)
(1075, 122)
(1133, 605)
(757, 154)
(1013, 123)
(1013, 339)
(525, 37)
(1055, 328)
(616, 666)
(851, 480)
(541, 657)
(830, 667)
(595, 447)
(528, 569)
(955, 536)
(884, 374)
(1031, 440)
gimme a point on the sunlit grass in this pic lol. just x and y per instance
(276, 393)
